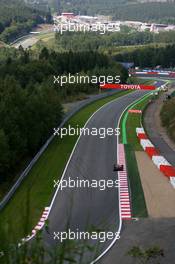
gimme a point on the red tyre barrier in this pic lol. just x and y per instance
(151, 151)
(134, 111)
(168, 171)
(154, 73)
(172, 74)
(142, 136)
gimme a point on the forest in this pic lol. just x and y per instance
(150, 56)
(147, 12)
(17, 19)
(31, 104)
(123, 10)
(109, 41)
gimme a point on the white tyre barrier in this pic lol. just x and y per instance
(160, 160)
(146, 143)
(140, 130)
(172, 181)
(162, 164)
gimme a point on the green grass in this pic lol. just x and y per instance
(134, 121)
(128, 136)
(24, 209)
(130, 121)
(137, 196)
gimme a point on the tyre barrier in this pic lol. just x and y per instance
(146, 143)
(161, 163)
(142, 136)
(160, 160)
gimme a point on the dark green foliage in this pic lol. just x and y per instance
(155, 12)
(121, 9)
(138, 200)
(17, 19)
(30, 101)
(27, 117)
(150, 255)
(150, 56)
(88, 7)
(109, 42)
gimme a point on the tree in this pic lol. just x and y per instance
(5, 155)
(146, 256)
(49, 18)
(44, 54)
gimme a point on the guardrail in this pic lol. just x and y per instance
(24, 174)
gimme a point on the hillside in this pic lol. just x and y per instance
(155, 12)
(16, 19)
(88, 6)
(121, 9)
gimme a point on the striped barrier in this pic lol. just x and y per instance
(142, 136)
(146, 143)
(172, 181)
(125, 205)
(151, 151)
(168, 170)
(161, 73)
(162, 164)
(140, 130)
(160, 160)
(39, 226)
(172, 74)
(134, 111)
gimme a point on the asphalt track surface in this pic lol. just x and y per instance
(93, 158)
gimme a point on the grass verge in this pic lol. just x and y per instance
(133, 121)
(128, 136)
(137, 196)
(25, 208)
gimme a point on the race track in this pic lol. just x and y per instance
(93, 158)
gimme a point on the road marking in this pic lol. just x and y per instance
(124, 191)
(119, 194)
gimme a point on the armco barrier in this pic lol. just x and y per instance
(162, 164)
(24, 174)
